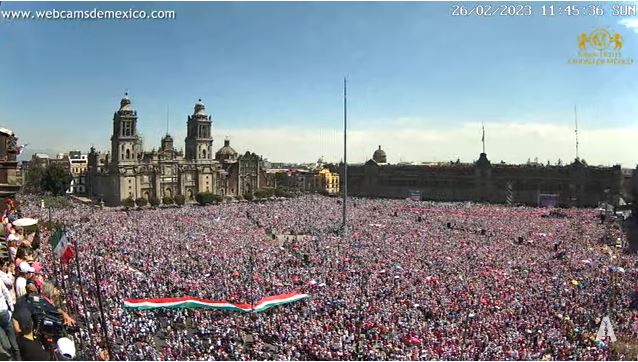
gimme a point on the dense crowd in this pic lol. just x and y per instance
(411, 281)
(32, 317)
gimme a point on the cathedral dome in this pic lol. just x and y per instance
(200, 107)
(379, 156)
(167, 138)
(125, 103)
(226, 152)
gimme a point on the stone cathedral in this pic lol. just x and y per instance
(128, 171)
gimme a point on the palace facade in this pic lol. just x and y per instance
(129, 171)
(576, 184)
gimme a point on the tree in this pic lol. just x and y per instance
(167, 200)
(141, 202)
(56, 179)
(33, 178)
(248, 196)
(154, 201)
(205, 198)
(128, 203)
(180, 200)
(264, 193)
(282, 191)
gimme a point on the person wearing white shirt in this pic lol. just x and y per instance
(8, 279)
(26, 272)
(6, 308)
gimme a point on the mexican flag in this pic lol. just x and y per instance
(61, 246)
(199, 303)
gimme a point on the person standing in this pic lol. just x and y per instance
(6, 307)
(30, 348)
(26, 273)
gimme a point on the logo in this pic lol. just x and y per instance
(600, 47)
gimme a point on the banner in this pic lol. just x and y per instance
(199, 303)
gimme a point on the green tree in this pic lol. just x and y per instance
(167, 200)
(283, 191)
(248, 196)
(205, 198)
(264, 193)
(56, 179)
(141, 202)
(128, 203)
(180, 200)
(33, 178)
(154, 201)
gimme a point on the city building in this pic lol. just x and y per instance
(308, 178)
(73, 162)
(130, 172)
(327, 182)
(240, 174)
(78, 164)
(576, 184)
(9, 151)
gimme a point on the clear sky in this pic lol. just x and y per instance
(420, 81)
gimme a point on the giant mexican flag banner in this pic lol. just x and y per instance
(199, 303)
(61, 245)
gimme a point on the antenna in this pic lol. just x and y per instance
(576, 129)
(167, 112)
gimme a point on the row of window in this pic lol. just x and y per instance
(127, 129)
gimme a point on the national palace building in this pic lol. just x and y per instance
(129, 171)
(575, 184)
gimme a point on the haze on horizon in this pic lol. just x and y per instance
(420, 81)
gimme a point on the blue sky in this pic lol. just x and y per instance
(420, 80)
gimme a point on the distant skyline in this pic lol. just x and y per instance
(420, 81)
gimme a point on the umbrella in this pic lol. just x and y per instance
(25, 222)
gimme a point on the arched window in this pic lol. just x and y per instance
(128, 153)
(190, 194)
(204, 153)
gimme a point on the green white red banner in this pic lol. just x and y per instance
(199, 303)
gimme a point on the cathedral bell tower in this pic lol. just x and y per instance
(199, 142)
(125, 142)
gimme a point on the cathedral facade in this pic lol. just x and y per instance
(127, 171)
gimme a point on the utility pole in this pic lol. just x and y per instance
(345, 160)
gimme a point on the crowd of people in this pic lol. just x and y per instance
(32, 317)
(408, 281)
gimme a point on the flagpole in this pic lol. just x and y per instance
(83, 298)
(576, 129)
(483, 138)
(345, 160)
(103, 318)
